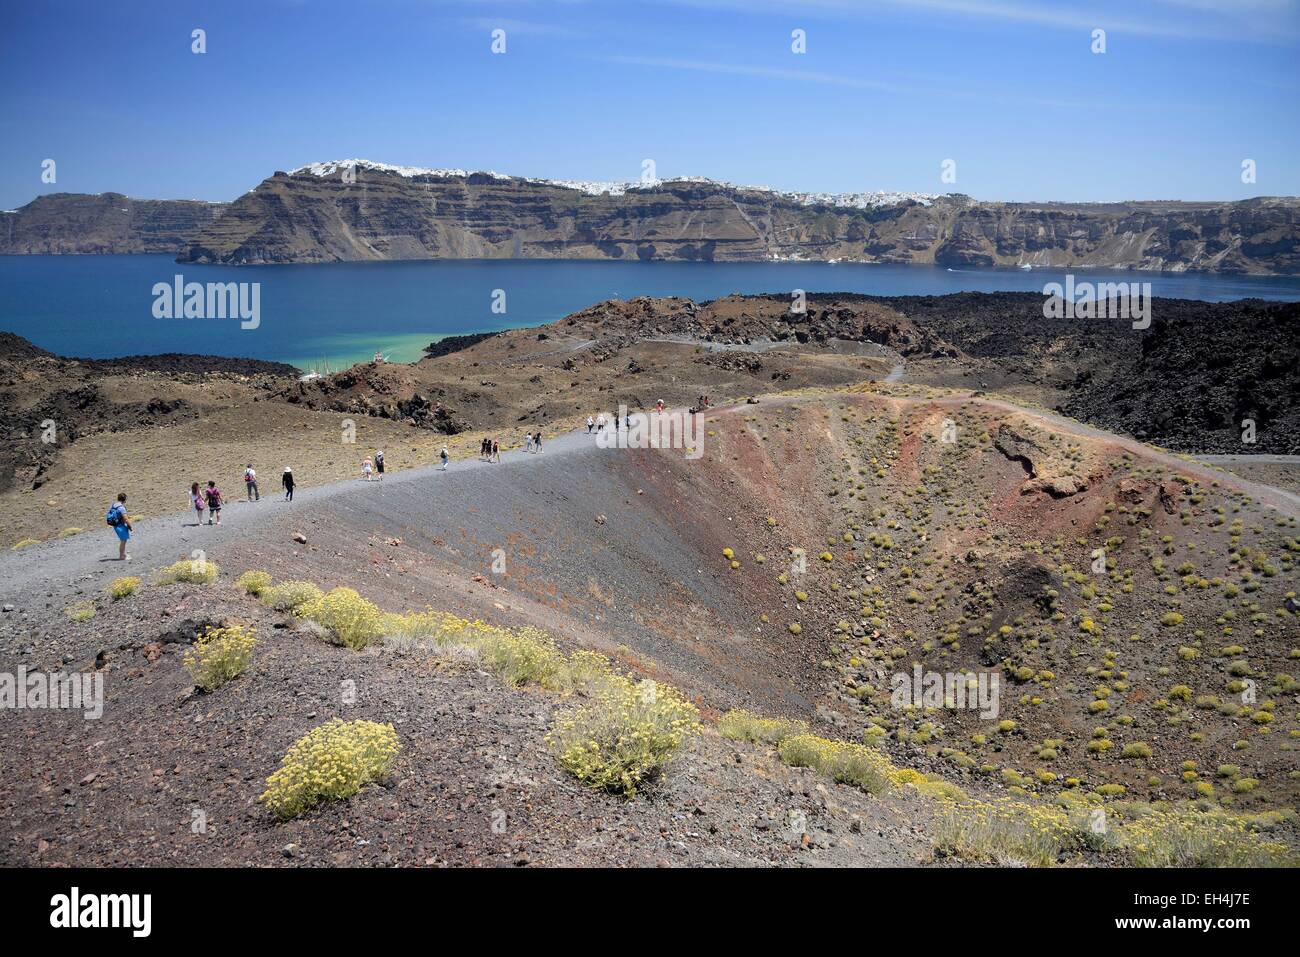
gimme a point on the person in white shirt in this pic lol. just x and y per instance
(250, 484)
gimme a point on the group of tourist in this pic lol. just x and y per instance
(209, 499)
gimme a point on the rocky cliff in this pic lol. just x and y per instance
(357, 210)
(77, 223)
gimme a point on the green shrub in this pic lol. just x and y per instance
(330, 763)
(219, 655)
(81, 611)
(624, 735)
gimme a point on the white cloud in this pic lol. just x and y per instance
(735, 69)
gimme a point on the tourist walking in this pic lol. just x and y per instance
(287, 481)
(537, 441)
(528, 442)
(215, 501)
(121, 524)
(367, 468)
(379, 464)
(250, 484)
(197, 502)
(600, 422)
(590, 423)
(496, 451)
(444, 456)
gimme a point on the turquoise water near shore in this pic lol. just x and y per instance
(340, 313)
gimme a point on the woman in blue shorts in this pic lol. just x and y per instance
(121, 523)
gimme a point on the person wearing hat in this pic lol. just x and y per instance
(287, 481)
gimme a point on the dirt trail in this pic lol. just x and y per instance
(161, 540)
(158, 540)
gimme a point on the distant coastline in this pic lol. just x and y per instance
(361, 211)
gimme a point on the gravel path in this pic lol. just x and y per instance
(158, 540)
(521, 482)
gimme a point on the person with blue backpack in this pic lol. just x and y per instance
(120, 523)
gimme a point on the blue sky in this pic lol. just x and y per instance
(1009, 89)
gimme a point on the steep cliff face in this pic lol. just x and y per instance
(346, 212)
(77, 223)
(305, 217)
(343, 212)
(1253, 236)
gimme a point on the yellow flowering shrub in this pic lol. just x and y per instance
(348, 619)
(219, 654)
(287, 596)
(330, 763)
(1186, 837)
(81, 611)
(842, 761)
(741, 725)
(254, 582)
(586, 667)
(192, 571)
(124, 586)
(526, 656)
(624, 734)
(1004, 830)
(418, 629)
(516, 656)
